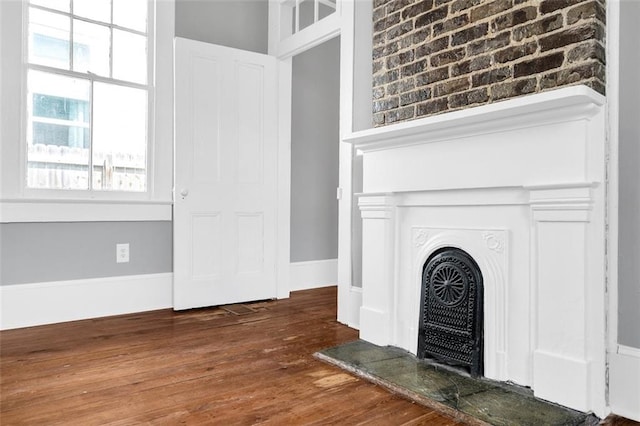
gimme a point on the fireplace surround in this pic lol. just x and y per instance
(520, 186)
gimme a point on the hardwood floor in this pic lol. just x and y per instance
(205, 366)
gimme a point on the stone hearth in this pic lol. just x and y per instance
(473, 401)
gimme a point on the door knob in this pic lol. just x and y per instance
(184, 192)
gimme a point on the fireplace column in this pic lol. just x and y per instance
(568, 294)
(377, 267)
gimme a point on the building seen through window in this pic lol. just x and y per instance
(87, 95)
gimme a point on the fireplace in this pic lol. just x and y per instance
(451, 319)
(519, 187)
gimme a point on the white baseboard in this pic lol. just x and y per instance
(375, 326)
(624, 382)
(355, 303)
(561, 379)
(26, 305)
(313, 274)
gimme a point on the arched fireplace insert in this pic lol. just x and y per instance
(451, 316)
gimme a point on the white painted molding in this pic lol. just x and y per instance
(282, 44)
(83, 211)
(502, 196)
(27, 305)
(378, 231)
(571, 390)
(349, 301)
(612, 187)
(355, 303)
(624, 382)
(376, 206)
(310, 37)
(629, 351)
(564, 220)
(313, 274)
(556, 106)
(284, 178)
(561, 203)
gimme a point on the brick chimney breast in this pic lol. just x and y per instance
(436, 56)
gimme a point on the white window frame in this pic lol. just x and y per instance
(18, 203)
(284, 42)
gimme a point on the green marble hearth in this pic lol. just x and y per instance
(474, 401)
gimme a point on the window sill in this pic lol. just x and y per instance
(38, 210)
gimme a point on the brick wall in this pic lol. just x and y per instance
(434, 56)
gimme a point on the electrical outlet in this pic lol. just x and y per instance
(122, 253)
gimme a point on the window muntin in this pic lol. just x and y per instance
(61, 5)
(305, 13)
(87, 95)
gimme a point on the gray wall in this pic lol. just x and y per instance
(41, 252)
(629, 239)
(242, 24)
(363, 67)
(314, 153)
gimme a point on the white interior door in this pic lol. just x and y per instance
(225, 175)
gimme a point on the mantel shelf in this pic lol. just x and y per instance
(570, 103)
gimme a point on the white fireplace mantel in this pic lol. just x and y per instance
(556, 106)
(520, 186)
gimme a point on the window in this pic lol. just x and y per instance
(88, 95)
(307, 12)
(298, 25)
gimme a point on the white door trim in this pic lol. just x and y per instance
(284, 43)
(283, 205)
(613, 99)
(306, 40)
(349, 297)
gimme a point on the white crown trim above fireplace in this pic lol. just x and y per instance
(520, 186)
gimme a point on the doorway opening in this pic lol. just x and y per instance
(315, 137)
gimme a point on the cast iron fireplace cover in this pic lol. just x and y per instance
(451, 318)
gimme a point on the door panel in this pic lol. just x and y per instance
(205, 114)
(250, 118)
(206, 252)
(225, 181)
(250, 236)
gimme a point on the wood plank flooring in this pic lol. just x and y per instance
(205, 366)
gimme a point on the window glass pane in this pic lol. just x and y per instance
(129, 57)
(120, 138)
(58, 136)
(307, 13)
(48, 38)
(62, 5)
(325, 9)
(91, 48)
(130, 14)
(98, 10)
